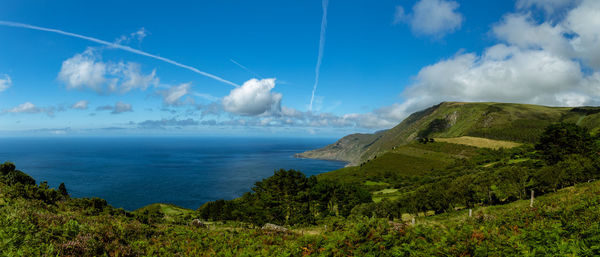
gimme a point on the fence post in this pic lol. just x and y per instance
(531, 201)
(413, 221)
(470, 213)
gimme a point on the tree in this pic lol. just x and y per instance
(563, 139)
(284, 197)
(6, 168)
(62, 189)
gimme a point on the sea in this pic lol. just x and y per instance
(133, 172)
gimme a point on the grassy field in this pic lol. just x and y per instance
(388, 193)
(170, 212)
(414, 159)
(479, 142)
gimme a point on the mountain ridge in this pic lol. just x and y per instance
(522, 123)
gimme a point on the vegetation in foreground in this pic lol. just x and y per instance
(38, 221)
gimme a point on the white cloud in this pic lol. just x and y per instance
(86, 71)
(27, 107)
(432, 17)
(82, 70)
(550, 6)
(502, 73)
(520, 30)
(173, 95)
(254, 97)
(139, 36)
(119, 107)
(5, 82)
(132, 77)
(584, 23)
(81, 105)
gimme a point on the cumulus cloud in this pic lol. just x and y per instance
(431, 17)
(81, 105)
(5, 82)
(520, 30)
(118, 108)
(253, 98)
(86, 71)
(503, 73)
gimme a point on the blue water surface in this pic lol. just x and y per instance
(134, 172)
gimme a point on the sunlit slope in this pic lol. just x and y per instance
(478, 142)
(521, 123)
(402, 162)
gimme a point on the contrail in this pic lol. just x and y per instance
(245, 68)
(321, 47)
(122, 47)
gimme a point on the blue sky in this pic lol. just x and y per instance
(381, 60)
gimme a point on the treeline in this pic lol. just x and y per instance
(289, 197)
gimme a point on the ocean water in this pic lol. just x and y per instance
(134, 172)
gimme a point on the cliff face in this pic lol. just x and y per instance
(348, 148)
(502, 121)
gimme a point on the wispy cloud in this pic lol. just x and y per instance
(5, 82)
(246, 69)
(118, 46)
(325, 3)
(161, 124)
(31, 108)
(119, 107)
(81, 105)
(173, 95)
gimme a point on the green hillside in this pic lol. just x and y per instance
(403, 162)
(501, 121)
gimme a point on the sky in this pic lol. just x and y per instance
(283, 68)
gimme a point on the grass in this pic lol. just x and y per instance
(388, 193)
(171, 212)
(375, 183)
(414, 159)
(479, 142)
(387, 166)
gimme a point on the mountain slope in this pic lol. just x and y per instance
(501, 121)
(347, 149)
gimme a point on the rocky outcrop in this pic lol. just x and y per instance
(274, 228)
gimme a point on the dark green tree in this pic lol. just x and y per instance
(62, 189)
(284, 197)
(562, 139)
